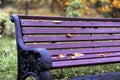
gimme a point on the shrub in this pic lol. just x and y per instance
(108, 8)
(73, 10)
(9, 29)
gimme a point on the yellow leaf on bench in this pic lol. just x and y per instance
(69, 35)
(77, 54)
(57, 22)
(102, 55)
(107, 53)
(73, 57)
(61, 56)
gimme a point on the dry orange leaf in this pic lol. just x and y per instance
(57, 22)
(66, 3)
(77, 54)
(73, 57)
(107, 52)
(69, 35)
(61, 56)
(102, 55)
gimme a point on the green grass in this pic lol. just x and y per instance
(8, 64)
(8, 59)
(86, 70)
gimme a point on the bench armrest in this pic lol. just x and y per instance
(44, 57)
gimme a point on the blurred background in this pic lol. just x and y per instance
(66, 8)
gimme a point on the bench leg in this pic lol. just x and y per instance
(28, 64)
(44, 75)
(27, 75)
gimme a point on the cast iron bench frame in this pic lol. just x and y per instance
(99, 43)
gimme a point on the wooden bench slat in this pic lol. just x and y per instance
(85, 50)
(95, 61)
(63, 24)
(30, 17)
(32, 30)
(73, 38)
(86, 56)
(74, 45)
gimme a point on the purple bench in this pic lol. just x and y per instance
(46, 43)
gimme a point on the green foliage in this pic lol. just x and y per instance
(108, 8)
(9, 29)
(73, 9)
(104, 8)
(3, 15)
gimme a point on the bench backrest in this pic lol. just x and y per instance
(62, 35)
